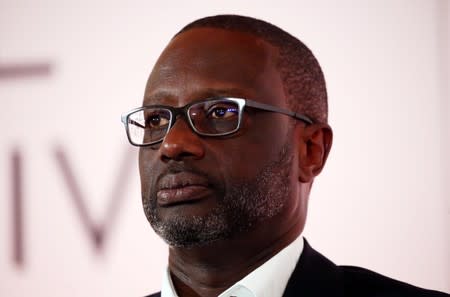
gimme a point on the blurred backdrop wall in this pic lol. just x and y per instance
(71, 221)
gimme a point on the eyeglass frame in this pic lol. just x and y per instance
(184, 110)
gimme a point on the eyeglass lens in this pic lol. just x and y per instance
(217, 117)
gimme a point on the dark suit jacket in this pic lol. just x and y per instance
(317, 276)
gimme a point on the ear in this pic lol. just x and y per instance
(314, 144)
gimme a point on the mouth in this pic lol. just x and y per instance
(182, 188)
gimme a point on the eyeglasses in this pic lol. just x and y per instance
(149, 125)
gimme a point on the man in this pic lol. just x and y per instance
(233, 131)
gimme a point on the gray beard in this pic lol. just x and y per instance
(242, 206)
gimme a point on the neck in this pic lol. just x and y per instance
(211, 269)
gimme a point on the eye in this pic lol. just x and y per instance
(156, 120)
(222, 111)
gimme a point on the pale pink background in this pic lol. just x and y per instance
(382, 202)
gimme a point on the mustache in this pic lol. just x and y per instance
(178, 167)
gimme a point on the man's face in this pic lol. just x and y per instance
(198, 189)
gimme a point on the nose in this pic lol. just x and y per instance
(181, 142)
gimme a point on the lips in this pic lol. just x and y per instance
(182, 187)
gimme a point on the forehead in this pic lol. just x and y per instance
(206, 62)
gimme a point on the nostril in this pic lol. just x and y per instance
(177, 157)
(178, 147)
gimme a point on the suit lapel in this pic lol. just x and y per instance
(314, 275)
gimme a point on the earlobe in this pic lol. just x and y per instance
(314, 144)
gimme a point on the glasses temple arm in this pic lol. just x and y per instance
(130, 121)
(271, 108)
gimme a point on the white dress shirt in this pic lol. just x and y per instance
(268, 280)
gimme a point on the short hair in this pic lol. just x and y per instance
(303, 80)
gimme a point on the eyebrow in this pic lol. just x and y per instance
(170, 99)
(158, 97)
(223, 92)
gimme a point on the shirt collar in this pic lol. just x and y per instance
(268, 280)
(167, 288)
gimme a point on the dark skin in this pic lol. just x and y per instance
(195, 66)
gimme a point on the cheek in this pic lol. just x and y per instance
(146, 157)
(260, 143)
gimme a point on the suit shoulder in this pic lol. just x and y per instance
(158, 294)
(358, 281)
